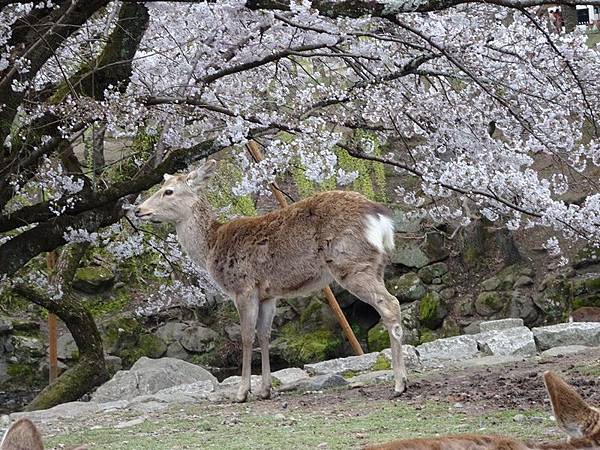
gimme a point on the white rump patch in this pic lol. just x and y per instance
(380, 232)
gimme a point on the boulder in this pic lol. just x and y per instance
(171, 331)
(503, 324)
(321, 382)
(93, 279)
(351, 364)
(507, 342)
(378, 376)
(522, 306)
(432, 310)
(407, 287)
(411, 357)
(185, 393)
(199, 339)
(571, 333)
(433, 271)
(410, 323)
(290, 375)
(234, 381)
(148, 376)
(490, 303)
(441, 351)
(410, 255)
(563, 351)
(491, 284)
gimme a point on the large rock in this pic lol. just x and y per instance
(321, 382)
(433, 271)
(441, 351)
(171, 332)
(491, 303)
(148, 376)
(407, 287)
(290, 375)
(199, 339)
(502, 324)
(411, 358)
(409, 255)
(522, 305)
(563, 351)
(93, 279)
(67, 348)
(572, 333)
(507, 342)
(351, 364)
(432, 310)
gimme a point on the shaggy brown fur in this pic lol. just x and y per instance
(573, 415)
(291, 252)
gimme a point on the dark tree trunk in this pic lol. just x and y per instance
(90, 370)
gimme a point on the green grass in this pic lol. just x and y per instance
(593, 39)
(349, 425)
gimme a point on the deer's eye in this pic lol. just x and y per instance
(169, 192)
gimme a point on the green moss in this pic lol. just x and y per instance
(349, 374)
(22, 375)
(381, 363)
(427, 335)
(298, 346)
(378, 338)
(146, 345)
(431, 310)
(100, 307)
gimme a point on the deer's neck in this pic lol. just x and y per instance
(196, 234)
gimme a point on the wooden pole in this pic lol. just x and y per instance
(52, 334)
(252, 147)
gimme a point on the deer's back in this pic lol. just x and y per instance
(466, 442)
(286, 250)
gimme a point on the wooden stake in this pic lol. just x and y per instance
(52, 334)
(252, 147)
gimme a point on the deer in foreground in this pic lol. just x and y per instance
(291, 252)
(573, 415)
(23, 435)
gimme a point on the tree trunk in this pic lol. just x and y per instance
(90, 371)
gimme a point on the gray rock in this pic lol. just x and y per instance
(432, 272)
(148, 376)
(409, 255)
(410, 323)
(378, 376)
(472, 328)
(69, 410)
(491, 302)
(199, 339)
(407, 287)
(411, 357)
(171, 332)
(321, 382)
(113, 363)
(343, 365)
(185, 393)
(523, 281)
(563, 350)
(290, 375)
(522, 305)
(26, 348)
(438, 352)
(448, 293)
(572, 333)
(93, 279)
(507, 342)
(130, 423)
(176, 350)
(406, 224)
(502, 324)
(491, 284)
(234, 381)
(485, 361)
(5, 325)
(66, 348)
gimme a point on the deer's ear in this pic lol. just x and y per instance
(167, 177)
(198, 177)
(22, 434)
(572, 413)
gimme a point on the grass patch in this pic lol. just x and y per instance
(349, 425)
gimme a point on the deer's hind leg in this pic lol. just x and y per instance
(365, 281)
(263, 330)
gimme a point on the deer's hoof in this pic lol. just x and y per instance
(399, 390)
(265, 395)
(241, 397)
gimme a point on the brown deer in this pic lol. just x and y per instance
(573, 415)
(290, 252)
(23, 435)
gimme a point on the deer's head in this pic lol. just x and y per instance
(174, 200)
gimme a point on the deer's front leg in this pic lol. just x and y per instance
(263, 329)
(248, 307)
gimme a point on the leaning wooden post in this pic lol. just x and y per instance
(52, 334)
(252, 147)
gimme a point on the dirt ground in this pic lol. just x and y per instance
(502, 399)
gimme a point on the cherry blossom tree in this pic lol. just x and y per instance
(465, 96)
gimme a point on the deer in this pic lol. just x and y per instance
(573, 415)
(288, 253)
(23, 435)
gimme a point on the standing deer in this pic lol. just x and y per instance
(573, 415)
(287, 253)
